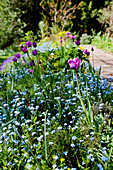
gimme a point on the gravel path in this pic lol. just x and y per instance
(100, 58)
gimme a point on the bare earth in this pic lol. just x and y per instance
(100, 58)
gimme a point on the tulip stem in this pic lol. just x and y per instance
(84, 108)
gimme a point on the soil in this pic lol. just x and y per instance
(100, 58)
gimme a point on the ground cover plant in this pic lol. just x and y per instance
(104, 42)
(55, 109)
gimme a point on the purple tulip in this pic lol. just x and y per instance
(28, 44)
(17, 55)
(86, 52)
(73, 37)
(74, 63)
(34, 44)
(61, 41)
(39, 62)
(24, 49)
(32, 63)
(77, 43)
(14, 59)
(31, 71)
(68, 33)
(34, 52)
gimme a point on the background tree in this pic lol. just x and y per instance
(60, 12)
(11, 27)
(86, 18)
(30, 13)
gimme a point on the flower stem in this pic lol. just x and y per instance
(45, 136)
(84, 108)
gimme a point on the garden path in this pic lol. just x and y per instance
(100, 58)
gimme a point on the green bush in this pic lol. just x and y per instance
(106, 18)
(11, 27)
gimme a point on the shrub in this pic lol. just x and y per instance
(106, 18)
(85, 39)
(10, 25)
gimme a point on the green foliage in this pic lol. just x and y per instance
(106, 18)
(42, 33)
(29, 13)
(103, 42)
(87, 15)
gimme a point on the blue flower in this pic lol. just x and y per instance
(65, 152)
(105, 158)
(39, 156)
(74, 138)
(29, 166)
(91, 139)
(72, 145)
(89, 156)
(100, 167)
(56, 157)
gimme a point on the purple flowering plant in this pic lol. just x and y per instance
(34, 52)
(28, 44)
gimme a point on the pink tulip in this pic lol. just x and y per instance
(74, 63)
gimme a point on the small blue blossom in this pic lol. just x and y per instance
(54, 166)
(39, 156)
(51, 143)
(83, 163)
(91, 139)
(105, 158)
(72, 145)
(29, 166)
(92, 159)
(56, 157)
(65, 152)
(74, 138)
(100, 167)
(89, 156)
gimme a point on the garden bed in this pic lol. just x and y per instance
(56, 110)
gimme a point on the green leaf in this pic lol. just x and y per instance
(62, 62)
